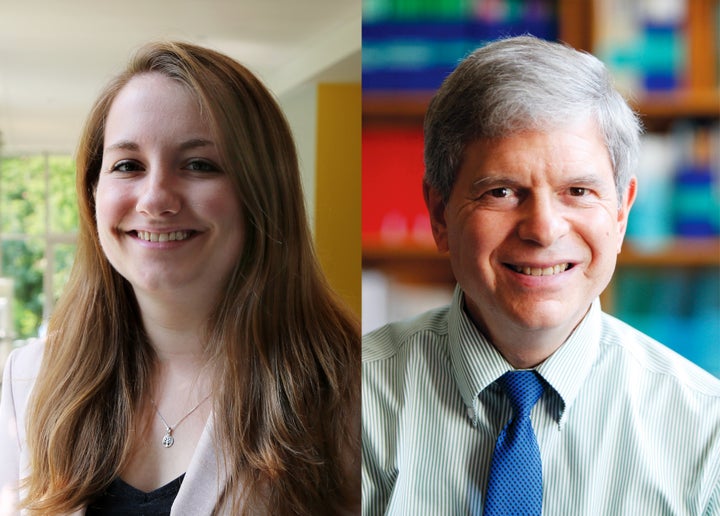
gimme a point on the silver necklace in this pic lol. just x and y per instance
(168, 439)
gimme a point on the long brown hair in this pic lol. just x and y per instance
(286, 350)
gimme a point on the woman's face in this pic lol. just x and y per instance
(167, 215)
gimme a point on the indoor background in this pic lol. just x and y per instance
(56, 56)
(663, 55)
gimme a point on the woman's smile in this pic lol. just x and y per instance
(168, 217)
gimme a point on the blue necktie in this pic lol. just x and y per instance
(515, 479)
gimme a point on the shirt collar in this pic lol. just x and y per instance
(567, 369)
(477, 364)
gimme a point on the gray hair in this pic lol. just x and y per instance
(524, 83)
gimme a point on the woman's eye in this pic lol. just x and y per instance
(125, 166)
(201, 166)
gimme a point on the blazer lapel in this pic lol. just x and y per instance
(204, 480)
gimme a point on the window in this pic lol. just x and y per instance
(38, 228)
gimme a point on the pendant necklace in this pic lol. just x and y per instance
(168, 440)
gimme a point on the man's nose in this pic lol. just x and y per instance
(543, 220)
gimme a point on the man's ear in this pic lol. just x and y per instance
(436, 207)
(624, 211)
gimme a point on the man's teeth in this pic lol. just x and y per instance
(547, 271)
(162, 237)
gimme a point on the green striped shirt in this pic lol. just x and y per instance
(626, 426)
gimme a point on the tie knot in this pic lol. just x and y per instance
(524, 389)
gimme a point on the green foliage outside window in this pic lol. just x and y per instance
(38, 221)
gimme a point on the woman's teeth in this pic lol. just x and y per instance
(162, 237)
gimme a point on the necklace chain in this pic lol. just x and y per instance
(168, 439)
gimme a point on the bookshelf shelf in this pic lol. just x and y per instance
(413, 263)
(703, 103)
(395, 107)
(408, 107)
(680, 252)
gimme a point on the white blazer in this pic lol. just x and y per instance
(200, 490)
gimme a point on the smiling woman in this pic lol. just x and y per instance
(160, 178)
(197, 362)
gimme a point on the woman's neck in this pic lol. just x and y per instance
(175, 325)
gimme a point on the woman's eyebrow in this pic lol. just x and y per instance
(130, 145)
(123, 145)
(195, 143)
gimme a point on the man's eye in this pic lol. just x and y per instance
(579, 191)
(500, 192)
(201, 166)
(125, 166)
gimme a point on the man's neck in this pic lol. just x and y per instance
(523, 348)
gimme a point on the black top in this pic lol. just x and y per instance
(121, 499)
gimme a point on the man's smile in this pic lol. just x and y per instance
(540, 271)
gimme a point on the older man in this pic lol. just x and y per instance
(522, 396)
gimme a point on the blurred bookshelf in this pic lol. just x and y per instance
(664, 57)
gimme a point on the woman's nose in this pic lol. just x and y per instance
(159, 194)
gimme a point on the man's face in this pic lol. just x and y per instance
(533, 226)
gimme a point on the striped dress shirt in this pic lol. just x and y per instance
(625, 426)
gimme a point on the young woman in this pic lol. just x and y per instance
(197, 362)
